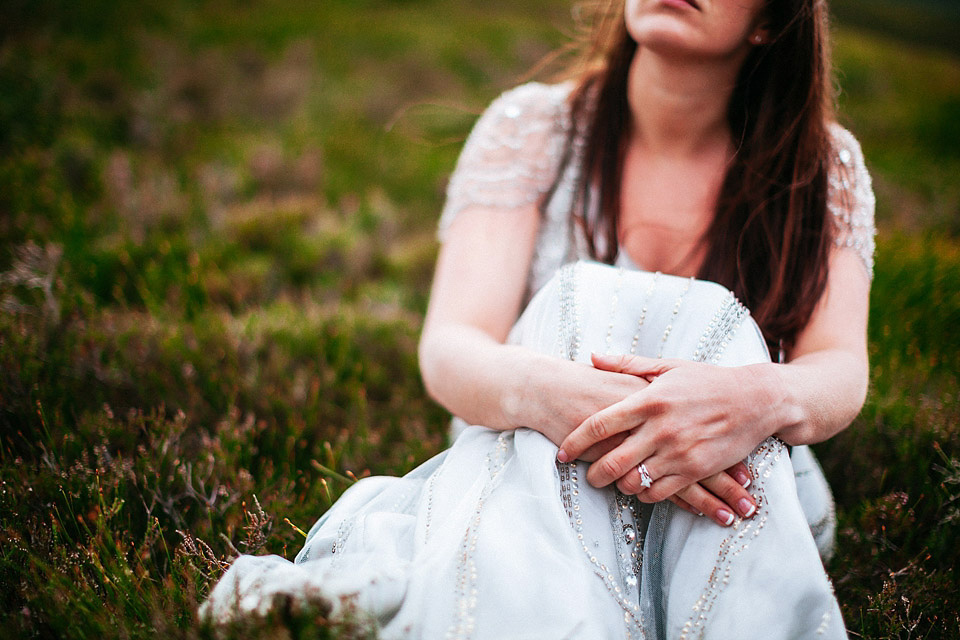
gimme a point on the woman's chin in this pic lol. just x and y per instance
(665, 33)
(679, 46)
(675, 36)
(670, 46)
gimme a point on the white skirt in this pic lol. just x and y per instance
(494, 538)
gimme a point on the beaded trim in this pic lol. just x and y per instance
(346, 527)
(614, 299)
(430, 488)
(824, 623)
(464, 621)
(628, 539)
(343, 531)
(570, 492)
(566, 491)
(673, 316)
(569, 313)
(719, 333)
(567, 473)
(850, 198)
(742, 533)
(643, 312)
(720, 330)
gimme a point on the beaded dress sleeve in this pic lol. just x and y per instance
(510, 158)
(850, 198)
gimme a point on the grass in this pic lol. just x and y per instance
(216, 240)
(927, 23)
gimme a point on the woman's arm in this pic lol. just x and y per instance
(826, 380)
(489, 227)
(477, 291)
(696, 419)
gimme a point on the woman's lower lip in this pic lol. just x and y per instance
(681, 4)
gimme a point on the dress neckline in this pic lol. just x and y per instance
(625, 261)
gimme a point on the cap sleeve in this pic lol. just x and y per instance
(511, 157)
(850, 198)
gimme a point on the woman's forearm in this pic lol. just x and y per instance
(506, 386)
(815, 396)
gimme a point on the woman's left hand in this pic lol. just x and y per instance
(693, 421)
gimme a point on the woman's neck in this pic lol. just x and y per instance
(679, 106)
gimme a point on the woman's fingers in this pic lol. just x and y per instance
(720, 496)
(620, 464)
(632, 483)
(615, 419)
(703, 500)
(683, 504)
(660, 489)
(603, 447)
(741, 474)
(632, 365)
(708, 504)
(619, 417)
(735, 497)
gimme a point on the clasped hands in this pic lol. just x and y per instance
(690, 428)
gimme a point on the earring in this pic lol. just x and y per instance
(757, 38)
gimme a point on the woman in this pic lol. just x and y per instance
(694, 179)
(697, 141)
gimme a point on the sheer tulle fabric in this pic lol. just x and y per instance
(493, 538)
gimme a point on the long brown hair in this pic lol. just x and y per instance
(770, 235)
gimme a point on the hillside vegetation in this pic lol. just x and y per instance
(216, 242)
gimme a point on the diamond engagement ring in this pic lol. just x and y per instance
(645, 480)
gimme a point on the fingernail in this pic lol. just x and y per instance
(725, 517)
(744, 479)
(746, 507)
(562, 456)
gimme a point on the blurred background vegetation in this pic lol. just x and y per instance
(216, 240)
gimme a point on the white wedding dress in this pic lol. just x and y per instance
(494, 538)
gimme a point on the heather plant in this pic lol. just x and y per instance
(216, 240)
